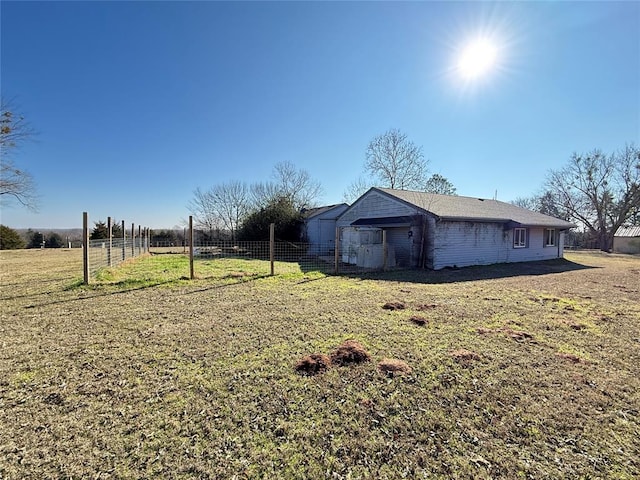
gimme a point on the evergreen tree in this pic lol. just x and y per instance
(10, 239)
(100, 231)
(54, 240)
(36, 239)
(288, 222)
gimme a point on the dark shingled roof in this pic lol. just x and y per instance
(452, 207)
(312, 212)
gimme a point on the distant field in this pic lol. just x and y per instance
(521, 371)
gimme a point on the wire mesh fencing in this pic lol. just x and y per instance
(105, 253)
(288, 257)
(272, 257)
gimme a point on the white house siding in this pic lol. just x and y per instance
(374, 205)
(463, 244)
(321, 231)
(321, 234)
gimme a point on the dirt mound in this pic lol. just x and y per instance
(394, 306)
(350, 352)
(421, 321)
(313, 364)
(464, 356)
(392, 366)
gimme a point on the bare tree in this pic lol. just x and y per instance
(598, 191)
(262, 194)
(530, 203)
(15, 183)
(232, 203)
(296, 185)
(202, 207)
(356, 188)
(222, 207)
(439, 184)
(396, 161)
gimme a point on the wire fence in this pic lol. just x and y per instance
(275, 257)
(287, 257)
(105, 253)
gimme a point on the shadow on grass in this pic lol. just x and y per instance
(244, 279)
(127, 286)
(470, 274)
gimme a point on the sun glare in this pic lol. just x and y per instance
(477, 59)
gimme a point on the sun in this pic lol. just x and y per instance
(477, 59)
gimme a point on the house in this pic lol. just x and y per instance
(320, 228)
(627, 240)
(436, 231)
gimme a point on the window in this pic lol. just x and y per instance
(549, 237)
(519, 237)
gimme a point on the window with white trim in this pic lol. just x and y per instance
(549, 237)
(519, 237)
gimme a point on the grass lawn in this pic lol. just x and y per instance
(519, 371)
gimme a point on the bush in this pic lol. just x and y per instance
(288, 222)
(10, 239)
(54, 240)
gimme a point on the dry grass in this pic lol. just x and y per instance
(194, 379)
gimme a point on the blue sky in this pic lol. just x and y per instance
(137, 104)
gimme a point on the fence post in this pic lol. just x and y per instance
(272, 249)
(337, 250)
(133, 240)
(110, 244)
(191, 272)
(385, 251)
(85, 246)
(124, 242)
(139, 240)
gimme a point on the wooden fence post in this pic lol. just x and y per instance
(139, 239)
(110, 244)
(385, 251)
(337, 250)
(191, 271)
(272, 239)
(133, 240)
(124, 242)
(85, 246)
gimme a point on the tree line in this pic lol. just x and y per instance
(10, 239)
(598, 191)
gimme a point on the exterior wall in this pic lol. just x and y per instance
(321, 231)
(448, 243)
(463, 244)
(626, 244)
(374, 205)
